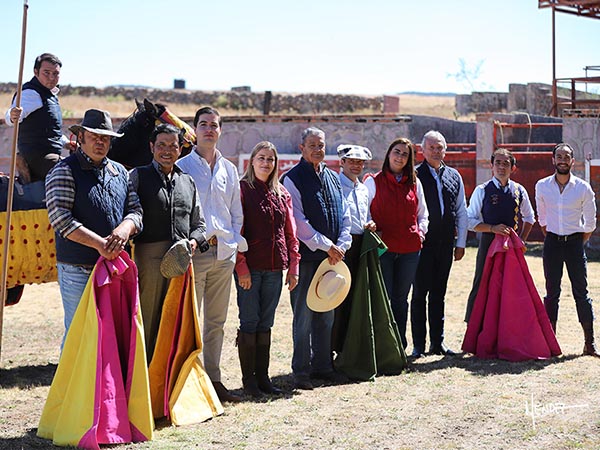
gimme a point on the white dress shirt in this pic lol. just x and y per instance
(357, 198)
(219, 192)
(573, 211)
(474, 211)
(305, 231)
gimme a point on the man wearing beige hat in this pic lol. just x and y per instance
(91, 206)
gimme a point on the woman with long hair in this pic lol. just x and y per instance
(399, 210)
(270, 230)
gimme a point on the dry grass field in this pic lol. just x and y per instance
(438, 403)
(76, 105)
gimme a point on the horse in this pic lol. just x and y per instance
(133, 148)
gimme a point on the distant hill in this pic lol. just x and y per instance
(429, 94)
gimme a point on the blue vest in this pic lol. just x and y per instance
(100, 205)
(442, 229)
(500, 207)
(40, 132)
(321, 201)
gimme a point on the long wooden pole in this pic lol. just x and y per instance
(11, 182)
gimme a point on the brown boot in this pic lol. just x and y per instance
(589, 347)
(224, 394)
(246, 343)
(263, 350)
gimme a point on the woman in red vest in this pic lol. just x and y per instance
(398, 208)
(270, 230)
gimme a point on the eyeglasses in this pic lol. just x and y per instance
(262, 159)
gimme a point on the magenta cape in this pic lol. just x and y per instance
(100, 393)
(508, 319)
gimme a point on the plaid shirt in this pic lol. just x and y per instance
(60, 197)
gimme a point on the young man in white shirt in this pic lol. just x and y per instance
(218, 186)
(567, 214)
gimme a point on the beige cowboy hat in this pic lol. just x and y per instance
(329, 286)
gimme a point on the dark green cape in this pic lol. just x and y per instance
(372, 345)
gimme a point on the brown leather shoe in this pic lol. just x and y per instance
(224, 395)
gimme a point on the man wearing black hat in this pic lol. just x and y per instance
(40, 138)
(91, 206)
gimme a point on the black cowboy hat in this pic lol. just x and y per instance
(96, 121)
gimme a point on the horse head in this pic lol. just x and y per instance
(133, 149)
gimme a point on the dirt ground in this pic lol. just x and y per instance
(439, 403)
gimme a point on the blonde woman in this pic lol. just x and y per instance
(270, 230)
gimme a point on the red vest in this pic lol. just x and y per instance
(394, 210)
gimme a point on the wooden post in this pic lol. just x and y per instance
(11, 182)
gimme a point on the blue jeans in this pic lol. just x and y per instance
(572, 254)
(257, 305)
(398, 270)
(72, 281)
(311, 330)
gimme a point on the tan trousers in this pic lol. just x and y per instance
(213, 285)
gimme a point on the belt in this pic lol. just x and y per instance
(565, 238)
(212, 241)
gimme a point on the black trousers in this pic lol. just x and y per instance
(431, 278)
(484, 245)
(566, 251)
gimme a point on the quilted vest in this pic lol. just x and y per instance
(40, 132)
(442, 229)
(321, 201)
(100, 204)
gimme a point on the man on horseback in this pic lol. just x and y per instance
(40, 138)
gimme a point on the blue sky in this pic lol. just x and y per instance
(345, 46)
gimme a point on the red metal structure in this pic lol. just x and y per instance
(584, 8)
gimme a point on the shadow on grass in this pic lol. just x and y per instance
(27, 376)
(29, 440)
(485, 367)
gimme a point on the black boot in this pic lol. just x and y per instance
(246, 343)
(589, 347)
(263, 350)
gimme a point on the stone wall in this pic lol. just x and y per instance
(477, 102)
(281, 103)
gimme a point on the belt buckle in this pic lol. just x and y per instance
(563, 238)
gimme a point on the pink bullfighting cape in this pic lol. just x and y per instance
(508, 319)
(179, 386)
(100, 393)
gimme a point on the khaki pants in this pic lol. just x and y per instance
(213, 285)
